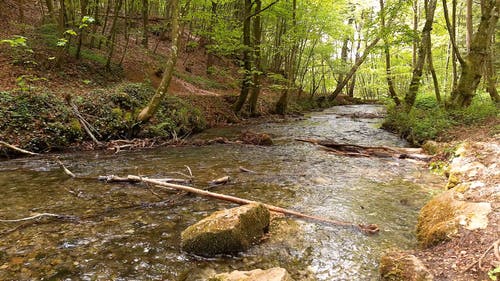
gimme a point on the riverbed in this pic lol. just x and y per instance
(132, 232)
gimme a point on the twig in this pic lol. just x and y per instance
(13, 147)
(35, 217)
(480, 260)
(189, 170)
(245, 170)
(66, 171)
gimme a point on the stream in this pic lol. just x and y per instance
(126, 232)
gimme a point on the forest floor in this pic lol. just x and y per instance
(469, 253)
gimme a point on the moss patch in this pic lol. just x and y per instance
(227, 231)
(398, 266)
(436, 221)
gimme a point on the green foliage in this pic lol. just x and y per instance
(494, 273)
(427, 120)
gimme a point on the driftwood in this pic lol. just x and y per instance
(354, 150)
(221, 181)
(369, 229)
(113, 178)
(13, 147)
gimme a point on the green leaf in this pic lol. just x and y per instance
(70, 32)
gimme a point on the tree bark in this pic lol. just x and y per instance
(247, 58)
(390, 83)
(257, 38)
(430, 64)
(474, 62)
(490, 73)
(83, 11)
(411, 95)
(162, 90)
(145, 20)
(353, 69)
(118, 7)
(468, 24)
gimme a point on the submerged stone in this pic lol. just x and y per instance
(228, 231)
(273, 274)
(398, 266)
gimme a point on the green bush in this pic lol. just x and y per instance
(427, 120)
(42, 122)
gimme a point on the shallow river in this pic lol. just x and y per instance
(123, 233)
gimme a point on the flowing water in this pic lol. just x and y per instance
(121, 232)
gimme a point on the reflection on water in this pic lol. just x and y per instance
(121, 235)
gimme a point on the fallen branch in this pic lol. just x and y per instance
(220, 181)
(13, 147)
(368, 229)
(354, 150)
(36, 216)
(245, 170)
(113, 178)
(480, 260)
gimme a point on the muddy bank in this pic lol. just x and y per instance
(458, 230)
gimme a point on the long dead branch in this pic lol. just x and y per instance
(354, 150)
(369, 229)
(13, 147)
(35, 217)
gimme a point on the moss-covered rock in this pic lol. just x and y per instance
(273, 274)
(398, 266)
(228, 231)
(441, 218)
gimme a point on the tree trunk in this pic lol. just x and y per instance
(210, 56)
(430, 64)
(83, 10)
(390, 83)
(247, 58)
(353, 69)
(145, 19)
(468, 24)
(415, 29)
(50, 8)
(490, 73)
(162, 90)
(118, 7)
(257, 37)
(474, 62)
(422, 53)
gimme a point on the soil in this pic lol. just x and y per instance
(470, 255)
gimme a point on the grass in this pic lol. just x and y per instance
(428, 120)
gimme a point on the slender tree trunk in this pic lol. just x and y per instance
(145, 20)
(257, 37)
(474, 62)
(390, 83)
(83, 10)
(50, 8)
(282, 104)
(118, 7)
(454, 39)
(210, 56)
(94, 26)
(422, 53)
(468, 24)
(247, 58)
(106, 19)
(490, 73)
(430, 63)
(353, 69)
(415, 29)
(162, 90)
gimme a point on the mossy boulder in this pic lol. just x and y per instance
(440, 218)
(398, 266)
(273, 274)
(226, 232)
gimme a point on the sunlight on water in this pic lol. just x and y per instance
(122, 235)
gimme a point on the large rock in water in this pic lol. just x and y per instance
(228, 231)
(399, 266)
(273, 274)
